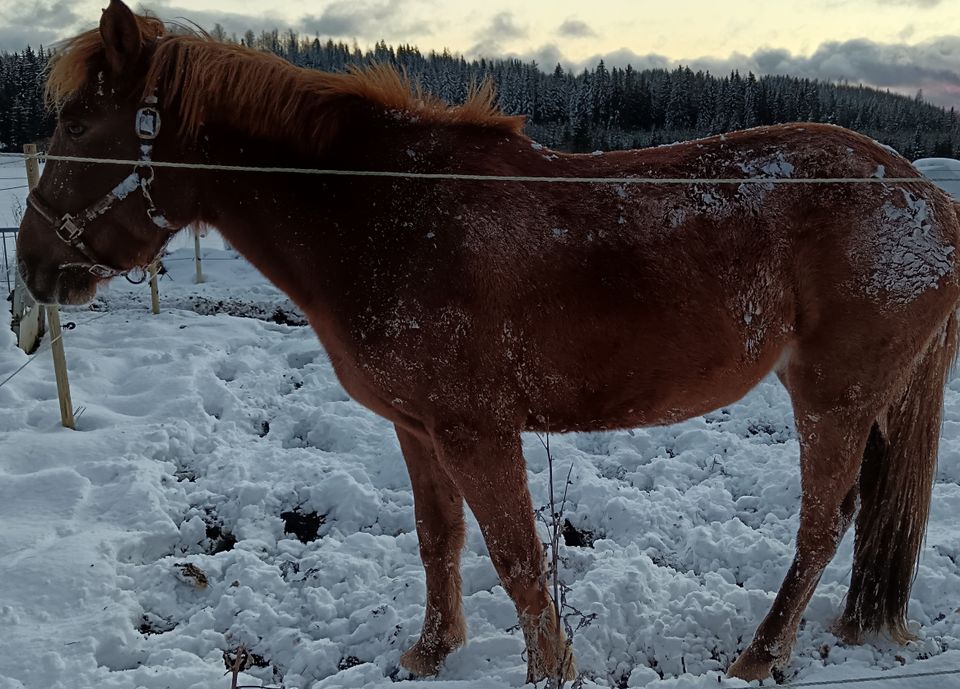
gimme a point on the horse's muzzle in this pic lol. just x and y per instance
(55, 286)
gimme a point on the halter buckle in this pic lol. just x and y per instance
(147, 123)
(101, 271)
(68, 231)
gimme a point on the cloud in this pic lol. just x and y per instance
(232, 22)
(339, 19)
(47, 21)
(372, 19)
(46, 14)
(501, 29)
(504, 26)
(576, 28)
(906, 32)
(922, 4)
(933, 66)
(42, 21)
(549, 55)
(368, 20)
(12, 38)
(546, 56)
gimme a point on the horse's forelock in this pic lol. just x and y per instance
(73, 62)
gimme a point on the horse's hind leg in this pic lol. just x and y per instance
(438, 506)
(833, 429)
(896, 483)
(487, 465)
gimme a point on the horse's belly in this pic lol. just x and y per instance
(663, 389)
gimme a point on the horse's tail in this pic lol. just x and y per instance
(896, 482)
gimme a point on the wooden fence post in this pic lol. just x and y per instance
(53, 318)
(60, 368)
(196, 252)
(27, 314)
(154, 292)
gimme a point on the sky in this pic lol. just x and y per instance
(902, 45)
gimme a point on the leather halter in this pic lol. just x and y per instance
(70, 227)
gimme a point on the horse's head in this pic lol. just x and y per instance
(86, 222)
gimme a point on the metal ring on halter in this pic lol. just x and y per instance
(142, 275)
(149, 168)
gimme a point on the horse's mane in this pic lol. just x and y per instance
(209, 82)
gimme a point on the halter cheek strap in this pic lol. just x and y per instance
(71, 227)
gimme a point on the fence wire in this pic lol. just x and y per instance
(863, 680)
(462, 177)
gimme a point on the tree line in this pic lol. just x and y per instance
(23, 117)
(595, 109)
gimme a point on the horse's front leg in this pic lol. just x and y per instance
(438, 506)
(487, 465)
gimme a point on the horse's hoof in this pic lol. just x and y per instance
(424, 660)
(853, 632)
(750, 666)
(420, 662)
(538, 669)
(848, 632)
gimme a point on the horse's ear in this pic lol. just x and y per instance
(121, 37)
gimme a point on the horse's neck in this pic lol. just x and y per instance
(315, 236)
(303, 232)
(259, 217)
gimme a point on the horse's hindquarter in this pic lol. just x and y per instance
(642, 304)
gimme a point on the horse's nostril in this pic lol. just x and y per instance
(41, 293)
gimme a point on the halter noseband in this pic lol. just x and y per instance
(71, 227)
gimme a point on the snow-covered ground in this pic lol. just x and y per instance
(202, 432)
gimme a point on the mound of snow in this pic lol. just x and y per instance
(945, 172)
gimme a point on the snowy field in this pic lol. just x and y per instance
(222, 491)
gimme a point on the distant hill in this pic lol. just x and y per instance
(595, 109)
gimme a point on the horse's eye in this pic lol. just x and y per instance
(75, 129)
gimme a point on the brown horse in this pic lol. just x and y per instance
(467, 311)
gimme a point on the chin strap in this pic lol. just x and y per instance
(70, 227)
